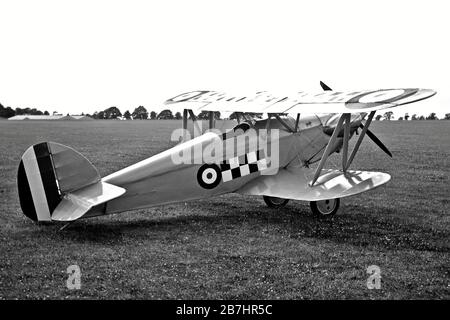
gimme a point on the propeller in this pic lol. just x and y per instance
(377, 141)
(370, 134)
(325, 87)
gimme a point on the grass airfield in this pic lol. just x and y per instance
(234, 247)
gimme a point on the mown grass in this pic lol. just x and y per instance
(233, 247)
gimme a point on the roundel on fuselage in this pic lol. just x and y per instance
(209, 176)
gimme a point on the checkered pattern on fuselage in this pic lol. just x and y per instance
(243, 165)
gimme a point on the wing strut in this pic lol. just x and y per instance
(360, 139)
(284, 123)
(328, 149)
(196, 126)
(297, 122)
(345, 142)
(185, 123)
(211, 119)
(371, 135)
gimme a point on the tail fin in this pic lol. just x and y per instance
(56, 182)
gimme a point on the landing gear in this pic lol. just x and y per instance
(325, 208)
(274, 202)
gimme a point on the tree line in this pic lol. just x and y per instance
(141, 113)
(432, 116)
(8, 112)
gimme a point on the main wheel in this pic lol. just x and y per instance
(325, 208)
(274, 202)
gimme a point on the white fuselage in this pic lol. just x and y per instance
(158, 180)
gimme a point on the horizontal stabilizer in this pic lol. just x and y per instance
(75, 204)
(294, 183)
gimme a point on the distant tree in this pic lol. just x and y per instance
(46, 113)
(406, 116)
(127, 115)
(378, 117)
(101, 115)
(204, 115)
(414, 117)
(388, 115)
(6, 112)
(421, 118)
(140, 113)
(165, 114)
(400, 119)
(33, 111)
(112, 113)
(432, 116)
(9, 112)
(153, 115)
(447, 116)
(178, 116)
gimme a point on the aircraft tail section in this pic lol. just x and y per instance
(56, 182)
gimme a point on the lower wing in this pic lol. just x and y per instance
(294, 183)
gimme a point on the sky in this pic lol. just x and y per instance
(85, 56)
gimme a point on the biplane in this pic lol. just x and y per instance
(280, 157)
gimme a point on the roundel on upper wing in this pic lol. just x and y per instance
(209, 176)
(374, 98)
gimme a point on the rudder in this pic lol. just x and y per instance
(47, 171)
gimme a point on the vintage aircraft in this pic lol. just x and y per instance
(56, 183)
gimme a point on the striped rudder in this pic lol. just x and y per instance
(46, 173)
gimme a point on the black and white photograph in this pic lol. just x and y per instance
(236, 153)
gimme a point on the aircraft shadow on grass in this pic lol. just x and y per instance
(379, 229)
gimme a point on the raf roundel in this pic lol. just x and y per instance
(383, 96)
(209, 176)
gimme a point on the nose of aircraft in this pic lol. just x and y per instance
(331, 123)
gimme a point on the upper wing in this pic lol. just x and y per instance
(301, 102)
(293, 183)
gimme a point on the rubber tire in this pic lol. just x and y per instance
(318, 213)
(269, 201)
